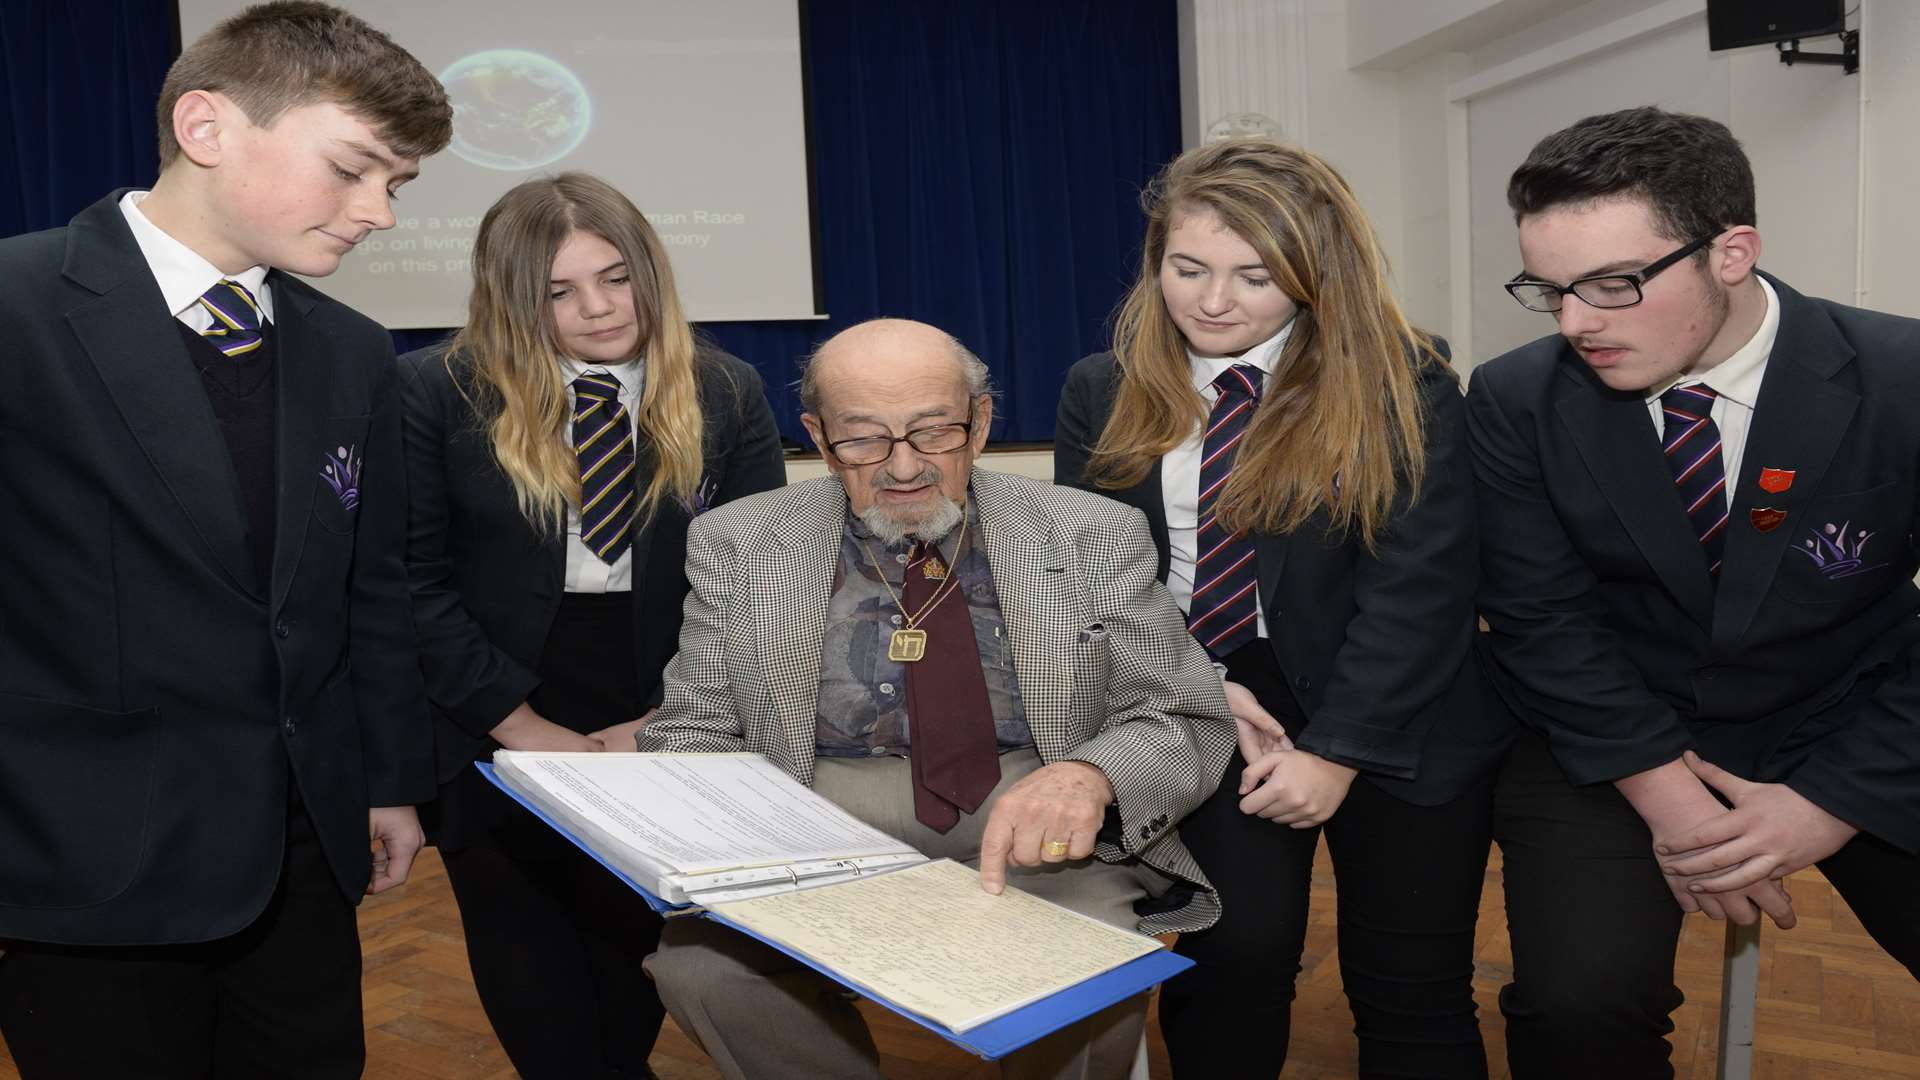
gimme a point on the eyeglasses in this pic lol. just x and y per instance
(1600, 291)
(874, 449)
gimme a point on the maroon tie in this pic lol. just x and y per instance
(955, 752)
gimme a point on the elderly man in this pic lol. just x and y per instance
(981, 665)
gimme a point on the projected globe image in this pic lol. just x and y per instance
(515, 110)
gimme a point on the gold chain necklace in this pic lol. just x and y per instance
(909, 643)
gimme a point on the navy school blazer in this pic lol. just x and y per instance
(1380, 648)
(486, 584)
(155, 702)
(1612, 640)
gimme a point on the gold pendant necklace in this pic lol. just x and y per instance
(909, 643)
(906, 646)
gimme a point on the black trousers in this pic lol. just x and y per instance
(281, 998)
(555, 941)
(1409, 894)
(1594, 926)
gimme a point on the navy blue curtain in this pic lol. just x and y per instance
(976, 166)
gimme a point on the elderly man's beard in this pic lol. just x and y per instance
(893, 524)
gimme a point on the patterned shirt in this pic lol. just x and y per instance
(863, 695)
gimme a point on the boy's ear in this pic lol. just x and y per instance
(197, 122)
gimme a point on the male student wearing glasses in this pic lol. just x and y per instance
(1697, 508)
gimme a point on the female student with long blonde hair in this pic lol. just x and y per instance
(557, 450)
(1298, 450)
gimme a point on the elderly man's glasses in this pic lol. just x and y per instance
(874, 449)
(1599, 291)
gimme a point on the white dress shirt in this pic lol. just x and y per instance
(586, 573)
(1737, 382)
(1180, 472)
(183, 274)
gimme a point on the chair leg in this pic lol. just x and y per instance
(1739, 987)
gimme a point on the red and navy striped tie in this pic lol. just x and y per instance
(603, 443)
(1692, 445)
(1225, 609)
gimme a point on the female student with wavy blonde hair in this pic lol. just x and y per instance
(1298, 450)
(557, 449)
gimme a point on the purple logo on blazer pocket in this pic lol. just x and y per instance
(342, 474)
(702, 500)
(1838, 551)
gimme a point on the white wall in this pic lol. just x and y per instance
(1428, 105)
(1504, 123)
(1890, 136)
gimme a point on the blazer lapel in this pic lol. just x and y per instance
(795, 576)
(1030, 574)
(301, 400)
(1798, 423)
(1616, 439)
(131, 339)
(641, 545)
(1270, 558)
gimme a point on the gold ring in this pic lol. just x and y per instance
(1055, 847)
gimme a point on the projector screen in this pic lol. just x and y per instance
(695, 110)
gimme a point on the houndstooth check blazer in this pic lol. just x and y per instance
(1108, 673)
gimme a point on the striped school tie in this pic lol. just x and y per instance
(603, 445)
(1692, 445)
(1224, 610)
(236, 318)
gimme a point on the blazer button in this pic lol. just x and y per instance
(281, 629)
(1145, 832)
(1302, 683)
(291, 726)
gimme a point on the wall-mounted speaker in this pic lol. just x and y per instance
(1732, 24)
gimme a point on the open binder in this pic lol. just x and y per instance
(991, 1039)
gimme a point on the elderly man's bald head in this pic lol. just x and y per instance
(900, 411)
(889, 348)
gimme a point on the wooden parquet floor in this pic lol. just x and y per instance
(1832, 1005)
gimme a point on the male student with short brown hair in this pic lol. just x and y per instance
(209, 694)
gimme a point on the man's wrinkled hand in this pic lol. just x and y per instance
(1064, 802)
(396, 829)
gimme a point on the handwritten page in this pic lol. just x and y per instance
(931, 941)
(674, 816)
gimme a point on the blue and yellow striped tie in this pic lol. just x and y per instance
(603, 444)
(236, 318)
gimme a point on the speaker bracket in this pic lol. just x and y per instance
(1848, 57)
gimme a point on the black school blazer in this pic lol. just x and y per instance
(156, 700)
(1800, 664)
(486, 584)
(1381, 649)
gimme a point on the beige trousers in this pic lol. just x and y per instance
(761, 1014)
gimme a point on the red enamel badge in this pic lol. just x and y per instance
(1766, 518)
(1776, 480)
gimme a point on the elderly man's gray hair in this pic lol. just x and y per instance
(979, 380)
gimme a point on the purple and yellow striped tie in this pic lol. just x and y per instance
(603, 444)
(236, 318)
(1692, 445)
(1224, 612)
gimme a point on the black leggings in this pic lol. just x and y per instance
(1594, 926)
(1409, 895)
(554, 939)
